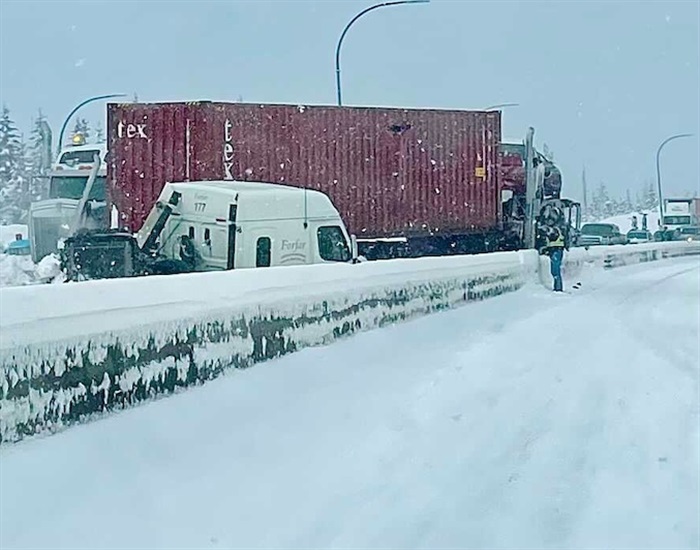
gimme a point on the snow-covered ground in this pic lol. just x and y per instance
(531, 420)
(21, 270)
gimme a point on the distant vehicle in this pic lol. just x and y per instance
(18, 247)
(593, 234)
(216, 226)
(690, 233)
(680, 213)
(636, 236)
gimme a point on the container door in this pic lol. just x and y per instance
(230, 263)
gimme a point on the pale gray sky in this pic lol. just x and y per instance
(602, 82)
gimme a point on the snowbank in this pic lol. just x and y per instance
(73, 350)
(577, 259)
(20, 270)
(8, 233)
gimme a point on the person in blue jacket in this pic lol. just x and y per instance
(554, 248)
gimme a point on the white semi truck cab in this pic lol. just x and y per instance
(216, 226)
(679, 214)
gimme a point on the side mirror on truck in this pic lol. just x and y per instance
(353, 248)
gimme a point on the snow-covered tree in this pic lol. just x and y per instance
(601, 204)
(547, 153)
(99, 133)
(37, 161)
(82, 126)
(650, 199)
(11, 169)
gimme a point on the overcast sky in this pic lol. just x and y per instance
(603, 83)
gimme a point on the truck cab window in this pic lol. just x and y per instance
(72, 158)
(263, 256)
(72, 187)
(207, 237)
(332, 245)
(191, 232)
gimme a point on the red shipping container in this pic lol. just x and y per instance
(390, 172)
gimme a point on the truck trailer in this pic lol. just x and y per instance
(407, 182)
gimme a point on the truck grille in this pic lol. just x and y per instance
(45, 235)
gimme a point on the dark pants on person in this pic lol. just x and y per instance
(556, 255)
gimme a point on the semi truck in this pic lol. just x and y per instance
(51, 220)
(215, 226)
(679, 213)
(681, 218)
(407, 182)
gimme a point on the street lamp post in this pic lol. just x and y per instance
(658, 173)
(501, 106)
(347, 27)
(75, 110)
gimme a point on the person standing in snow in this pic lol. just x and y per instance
(554, 248)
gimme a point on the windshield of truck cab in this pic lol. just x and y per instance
(79, 157)
(72, 187)
(676, 220)
(690, 230)
(597, 229)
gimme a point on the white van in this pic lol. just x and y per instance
(219, 225)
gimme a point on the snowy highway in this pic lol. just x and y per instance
(531, 420)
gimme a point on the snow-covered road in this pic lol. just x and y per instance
(531, 420)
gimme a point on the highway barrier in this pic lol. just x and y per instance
(71, 352)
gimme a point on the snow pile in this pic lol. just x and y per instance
(532, 420)
(16, 270)
(20, 270)
(8, 234)
(40, 313)
(120, 342)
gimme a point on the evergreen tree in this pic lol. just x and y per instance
(11, 169)
(601, 205)
(650, 200)
(82, 126)
(23, 179)
(547, 153)
(628, 204)
(638, 201)
(37, 162)
(99, 133)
